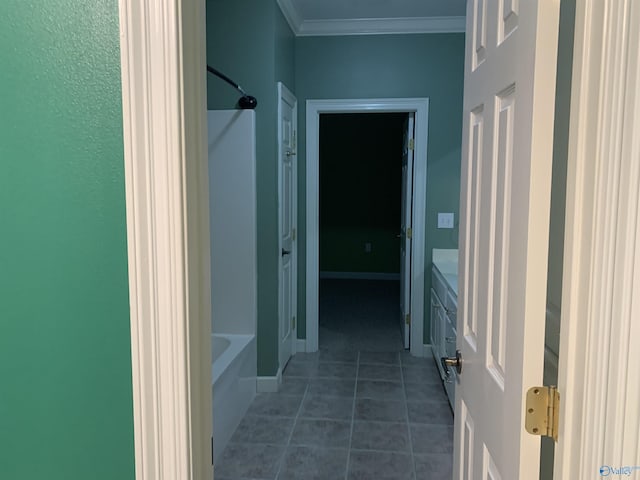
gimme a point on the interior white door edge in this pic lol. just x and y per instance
(287, 224)
(316, 107)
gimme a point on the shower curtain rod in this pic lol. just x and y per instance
(246, 102)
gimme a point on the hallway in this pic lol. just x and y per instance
(359, 408)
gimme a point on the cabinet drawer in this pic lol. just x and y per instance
(439, 284)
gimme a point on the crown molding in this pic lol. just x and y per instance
(368, 26)
(291, 15)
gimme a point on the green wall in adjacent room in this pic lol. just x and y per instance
(391, 66)
(65, 360)
(251, 42)
(360, 189)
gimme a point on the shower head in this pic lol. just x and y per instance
(246, 102)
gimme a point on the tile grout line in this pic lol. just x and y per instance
(406, 409)
(295, 421)
(353, 416)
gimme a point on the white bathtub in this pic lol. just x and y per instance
(233, 380)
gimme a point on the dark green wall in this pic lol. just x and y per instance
(360, 189)
(250, 41)
(363, 66)
(65, 362)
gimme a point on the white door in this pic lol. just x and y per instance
(405, 229)
(509, 95)
(287, 178)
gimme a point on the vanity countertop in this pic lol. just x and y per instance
(446, 261)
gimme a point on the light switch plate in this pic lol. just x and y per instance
(445, 220)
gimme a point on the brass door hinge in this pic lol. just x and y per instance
(543, 411)
(411, 144)
(293, 235)
(409, 233)
(293, 322)
(407, 319)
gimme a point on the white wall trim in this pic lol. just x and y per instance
(599, 358)
(314, 108)
(301, 345)
(164, 98)
(427, 350)
(269, 384)
(368, 26)
(360, 275)
(381, 26)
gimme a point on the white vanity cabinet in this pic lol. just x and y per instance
(444, 307)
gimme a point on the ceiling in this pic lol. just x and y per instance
(358, 17)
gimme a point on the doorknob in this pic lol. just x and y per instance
(452, 362)
(285, 252)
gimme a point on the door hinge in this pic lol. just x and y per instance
(543, 411)
(409, 233)
(293, 235)
(411, 144)
(407, 319)
(293, 322)
(211, 450)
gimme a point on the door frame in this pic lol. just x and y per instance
(164, 90)
(380, 105)
(599, 319)
(285, 93)
(162, 53)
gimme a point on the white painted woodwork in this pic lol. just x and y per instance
(599, 357)
(232, 197)
(163, 102)
(287, 221)
(405, 226)
(337, 17)
(508, 115)
(420, 106)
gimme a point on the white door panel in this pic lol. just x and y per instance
(505, 195)
(405, 228)
(287, 177)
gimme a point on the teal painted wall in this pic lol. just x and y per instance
(360, 190)
(429, 65)
(65, 362)
(558, 201)
(250, 41)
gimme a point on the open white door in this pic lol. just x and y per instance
(406, 229)
(510, 65)
(287, 178)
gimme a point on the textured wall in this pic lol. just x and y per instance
(65, 362)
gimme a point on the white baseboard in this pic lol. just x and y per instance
(427, 351)
(360, 276)
(301, 345)
(269, 384)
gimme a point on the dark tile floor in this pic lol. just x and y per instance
(348, 413)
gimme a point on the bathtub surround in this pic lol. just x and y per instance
(233, 379)
(232, 196)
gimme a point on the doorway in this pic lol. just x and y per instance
(316, 108)
(361, 185)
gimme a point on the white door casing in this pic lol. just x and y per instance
(287, 222)
(510, 71)
(420, 106)
(406, 215)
